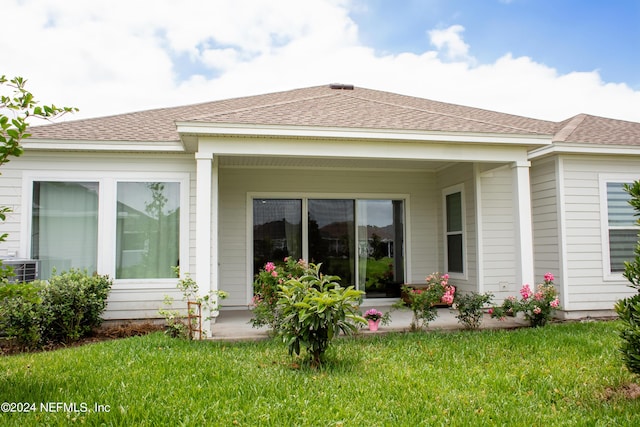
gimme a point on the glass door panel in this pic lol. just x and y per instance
(380, 247)
(277, 231)
(332, 237)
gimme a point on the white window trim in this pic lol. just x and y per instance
(604, 179)
(458, 188)
(107, 212)
(305, 248)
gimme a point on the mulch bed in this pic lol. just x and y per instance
(104, 333)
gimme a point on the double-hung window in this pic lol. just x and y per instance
(454, 230)
(621, 227)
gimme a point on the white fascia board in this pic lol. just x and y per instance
(213, 129)
(383, 149)
(86, 145)
(569, 148)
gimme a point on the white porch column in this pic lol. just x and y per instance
(524, 224)
(206, 232)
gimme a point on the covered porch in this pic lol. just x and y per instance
(461, 207)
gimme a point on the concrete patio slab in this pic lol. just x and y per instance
(233, 325)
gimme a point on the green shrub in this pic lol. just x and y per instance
(470, 308)
(21, 313)
(315, 309)
(628, 309)
(72, 304)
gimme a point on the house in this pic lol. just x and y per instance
(382, 188)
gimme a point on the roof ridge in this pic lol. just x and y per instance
(464, 117)
(570, 125)
(262, 105)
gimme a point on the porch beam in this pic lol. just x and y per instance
(373, 149)
(523, 219)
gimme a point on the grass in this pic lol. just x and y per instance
(563, 374)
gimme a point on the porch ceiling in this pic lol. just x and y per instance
(329, 163)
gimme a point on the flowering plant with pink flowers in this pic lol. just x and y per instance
(423, 300)
(375, 315)
(265, 290)
(538, 307)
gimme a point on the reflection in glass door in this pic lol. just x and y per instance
(332, 237)
(377, 256)
(277, 231)
(380, 247)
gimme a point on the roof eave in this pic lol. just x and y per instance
(190, 128)
(576, 148)
(119, 146)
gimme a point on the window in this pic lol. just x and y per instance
(361, 241)
(64, 226)
(121, 226)
(621, 226)
(147, 230)
(454, 234)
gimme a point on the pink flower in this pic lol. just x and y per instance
(525, 291)
(537, 310)
(491, 311)
(269, 267)
(548, 277)
(447, 298)
(538, 296)
(274, 273)
(555, 303)
(445, 276)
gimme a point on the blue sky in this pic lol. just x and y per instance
(569, 35)
(548, 59)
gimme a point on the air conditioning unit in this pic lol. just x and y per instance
(25, 270)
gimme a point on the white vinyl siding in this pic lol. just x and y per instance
(498, 232)
(547, 233)
(590, 285)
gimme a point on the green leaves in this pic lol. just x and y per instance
(315, 309)
(23, 105)
(628, 309)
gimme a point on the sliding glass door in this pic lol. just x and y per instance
(380, 247)
(277, 231)
(332, 237)
(361, 241)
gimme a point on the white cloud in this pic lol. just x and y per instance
(450, 40)
(109, 57)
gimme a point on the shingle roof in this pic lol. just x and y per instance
(318, 106)
(322, 106)
(586, 129)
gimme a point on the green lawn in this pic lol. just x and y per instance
(562, 374)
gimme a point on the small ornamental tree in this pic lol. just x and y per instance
(628, 309)
(314, 310)
(17, 107)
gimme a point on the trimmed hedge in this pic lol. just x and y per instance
(63, 309)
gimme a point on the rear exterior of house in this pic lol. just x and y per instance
(383, 189)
